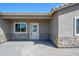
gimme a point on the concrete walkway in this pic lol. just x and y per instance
(34, 48)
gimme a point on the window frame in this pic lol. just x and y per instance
(20, 23)
(76, 34)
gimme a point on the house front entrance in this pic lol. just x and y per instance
(25, 30)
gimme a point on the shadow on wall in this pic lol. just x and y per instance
(4, 35)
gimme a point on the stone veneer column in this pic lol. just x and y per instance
(68, 42)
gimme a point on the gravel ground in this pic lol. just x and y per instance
(35, 48)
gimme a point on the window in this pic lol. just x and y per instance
(76, 26)
(34, 28)
(20, 27)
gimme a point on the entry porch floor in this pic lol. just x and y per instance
(34, 48)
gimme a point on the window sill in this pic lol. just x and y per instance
(20, 32)
(76, 34)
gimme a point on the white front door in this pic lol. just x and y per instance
(34, 31)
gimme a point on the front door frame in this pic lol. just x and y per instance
(31, 30)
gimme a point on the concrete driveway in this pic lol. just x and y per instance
(34, 48)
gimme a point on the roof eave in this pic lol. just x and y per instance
(61, 7)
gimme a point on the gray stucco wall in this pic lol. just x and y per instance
(66, 37)
(4, 30)
(44, 29)
(54, 28)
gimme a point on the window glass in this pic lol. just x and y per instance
(77, 26)
(23, 27)
(17, 27)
